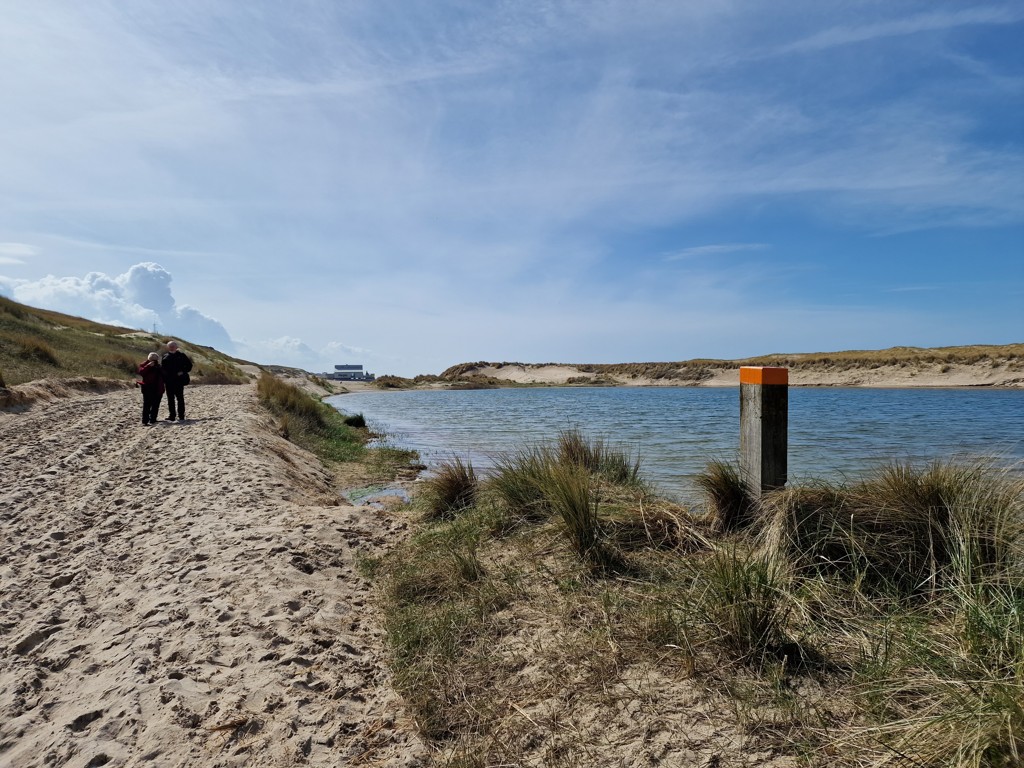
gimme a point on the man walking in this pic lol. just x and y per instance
(175, 366)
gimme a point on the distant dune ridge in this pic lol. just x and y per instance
(968, 366)
(37, 344)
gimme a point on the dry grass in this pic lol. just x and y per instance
(451, 488)
(730, 505)
(39, 344)
(514, 649)
(308, 422)
(695, 371)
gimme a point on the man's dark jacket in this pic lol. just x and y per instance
(173, 365)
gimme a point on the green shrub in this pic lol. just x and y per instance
(356, 421)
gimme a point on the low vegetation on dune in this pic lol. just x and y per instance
(40, 344)
(308, 422)
(339, 440)
(689, 372)
(557, 612)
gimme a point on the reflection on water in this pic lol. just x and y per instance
(675, 431)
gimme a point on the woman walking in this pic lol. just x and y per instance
(152, 386)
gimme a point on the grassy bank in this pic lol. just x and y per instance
(309, 423)
(559, 613)
(41, 344)
(338, 440)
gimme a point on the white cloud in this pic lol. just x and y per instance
(923, 22)
(17, 249)
(294, 352)
(713, 250)
(138, 298)
(12, 254)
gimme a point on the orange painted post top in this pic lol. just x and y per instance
(757, 374)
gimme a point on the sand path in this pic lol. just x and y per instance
(184, 594)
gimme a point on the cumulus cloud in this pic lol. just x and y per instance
(142, 297)
(138, 298)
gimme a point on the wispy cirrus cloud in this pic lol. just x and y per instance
(12, 254)
(717, 249)
(933, 21)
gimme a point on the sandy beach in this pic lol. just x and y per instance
(185, 594)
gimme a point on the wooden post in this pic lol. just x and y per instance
(764, 419)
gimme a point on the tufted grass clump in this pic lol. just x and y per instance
(33, 348)
(451, 489)
(744, 603)
(574, 497)
(355, 420)
(519, 483)
(730, 505)
(903, 530)
(596, 456)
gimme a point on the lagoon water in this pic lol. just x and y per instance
(833, 432)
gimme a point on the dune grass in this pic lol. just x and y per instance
(39, 344)
(841, 624)
(689, 372)
(307, 422)
(450, 489)
(730, 505)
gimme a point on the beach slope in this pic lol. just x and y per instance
(184, 594)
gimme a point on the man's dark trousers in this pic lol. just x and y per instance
(175, 394)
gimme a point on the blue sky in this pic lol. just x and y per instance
(419, 183)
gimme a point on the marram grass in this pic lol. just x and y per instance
(451, 488)
(849, 624)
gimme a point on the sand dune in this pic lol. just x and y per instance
(184, 594)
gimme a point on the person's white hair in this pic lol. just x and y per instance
(172, 345)
(153, 356)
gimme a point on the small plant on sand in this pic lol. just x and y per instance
(573, 495)
(450, 489)
(743, 605)
(729, 502)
